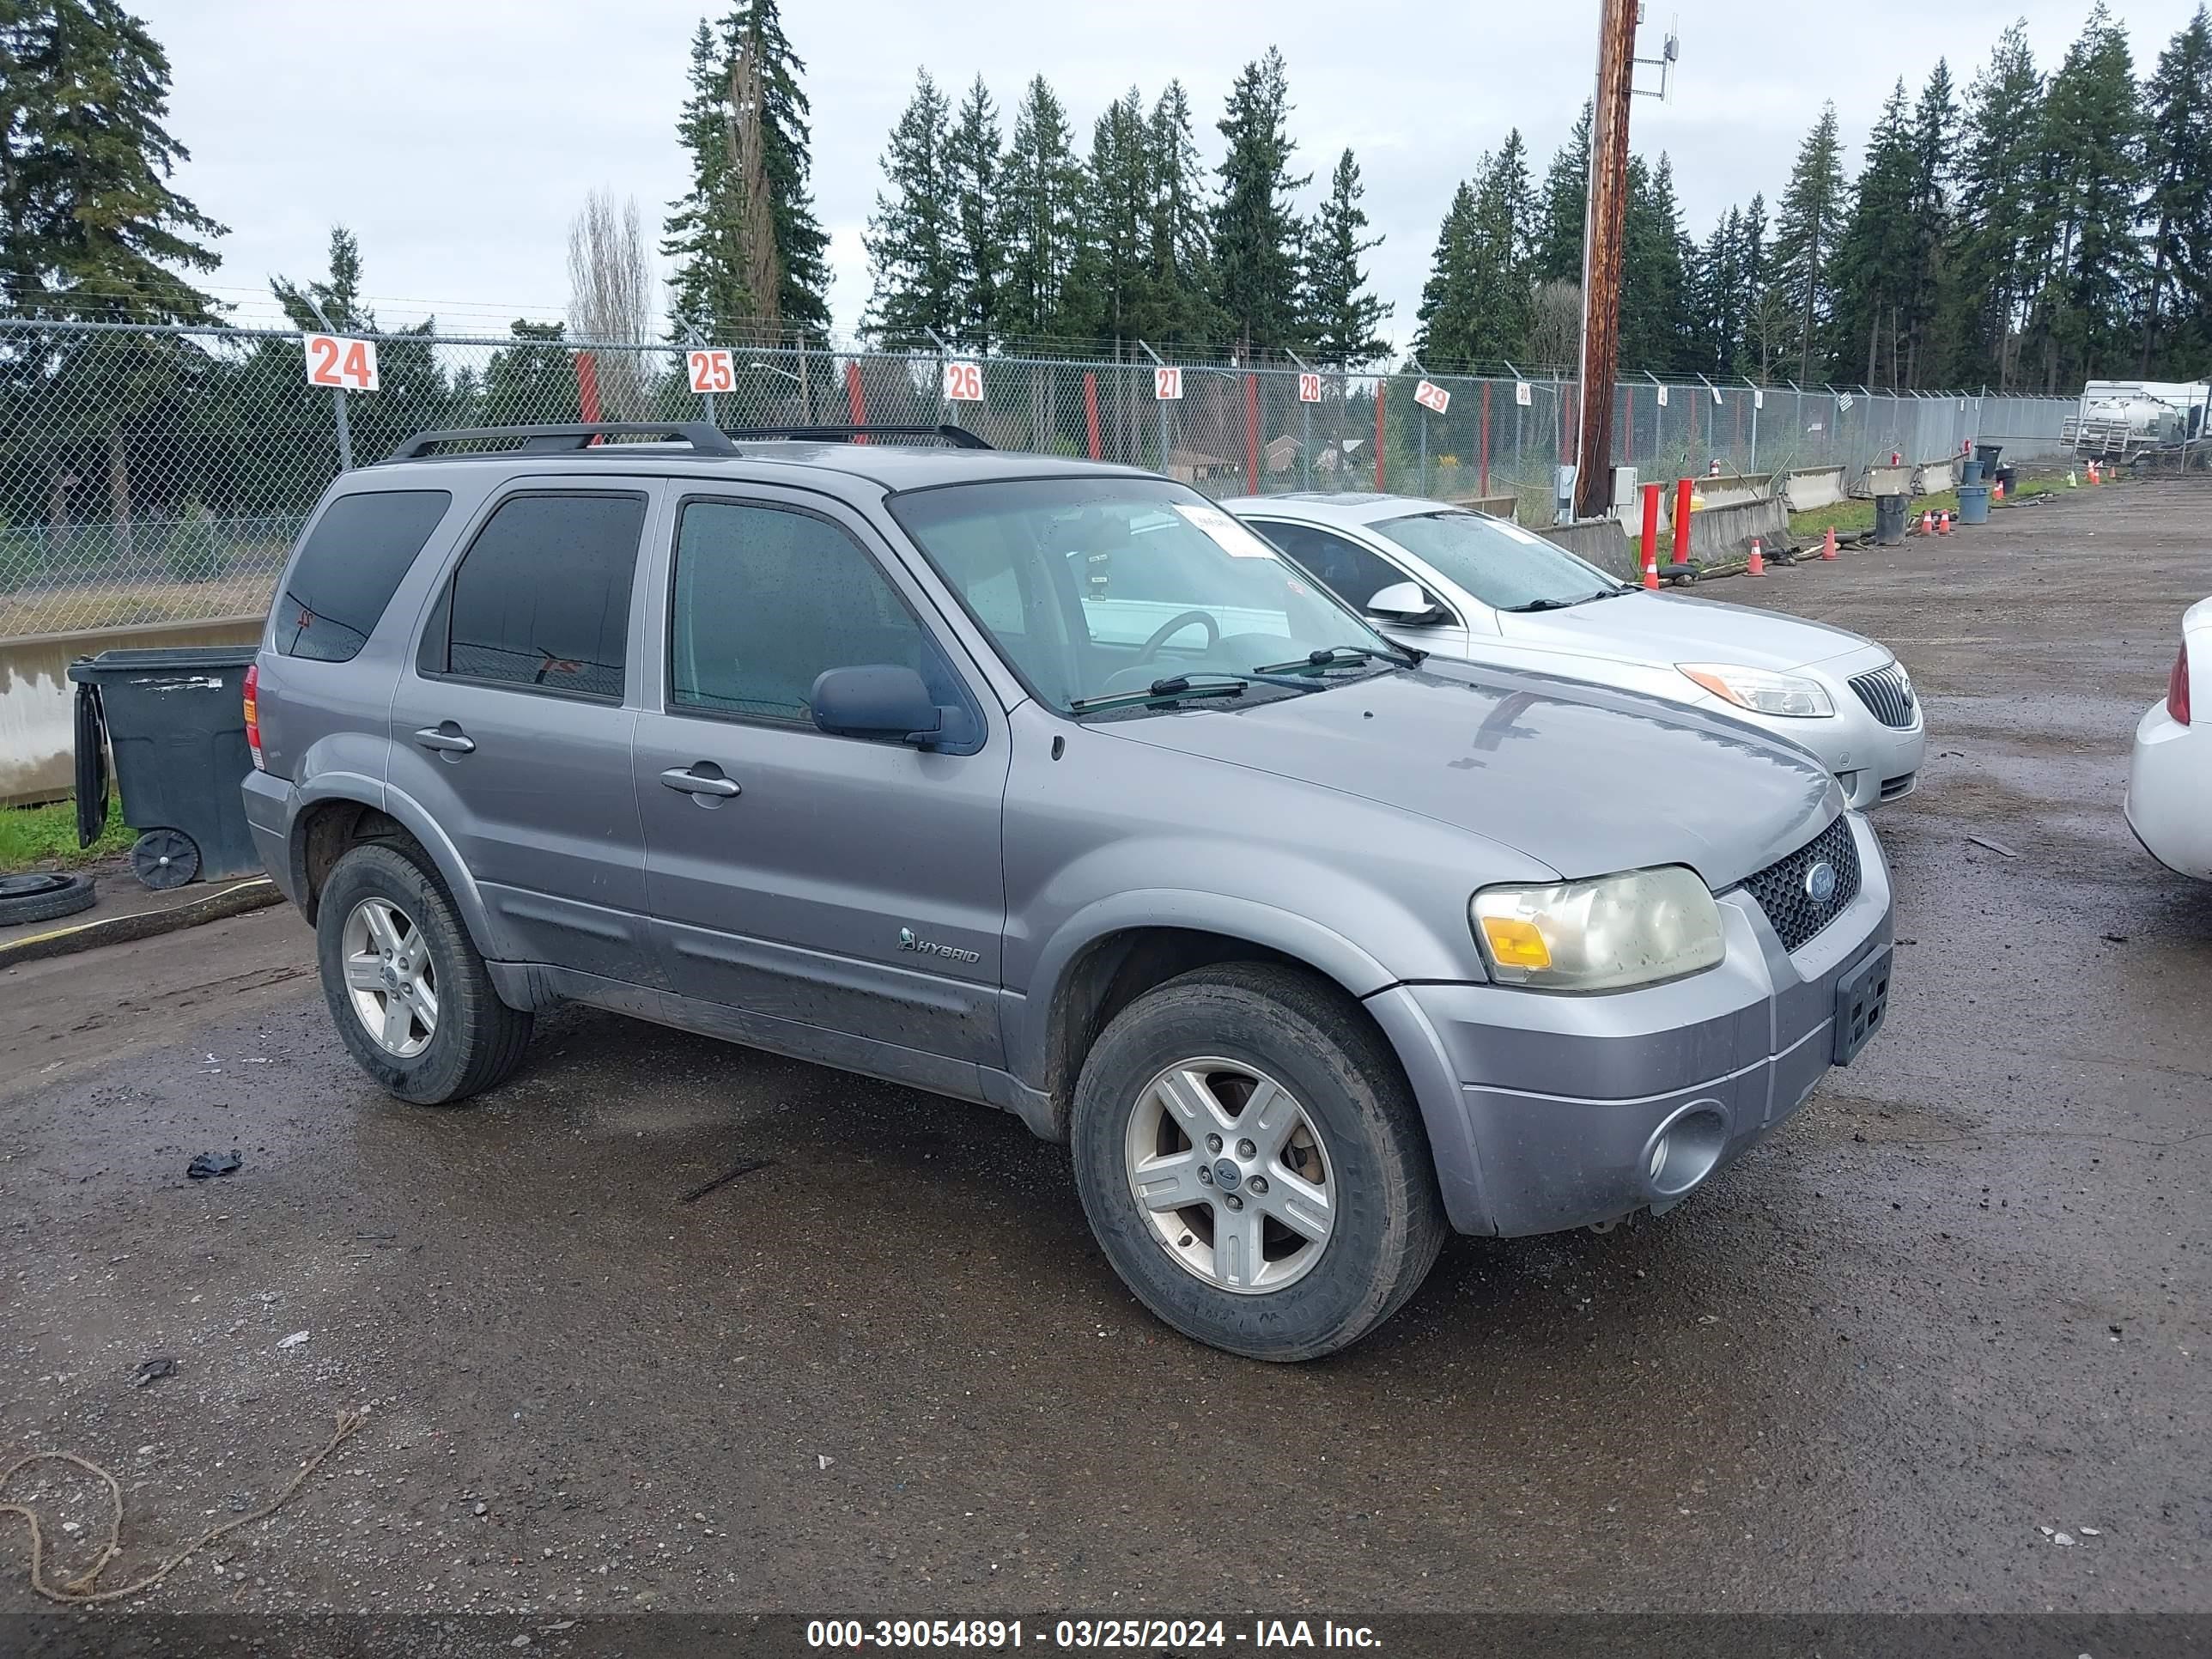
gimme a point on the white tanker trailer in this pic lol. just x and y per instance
(2119, 420)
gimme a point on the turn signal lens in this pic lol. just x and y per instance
(1516, 943)
(2177, 688)
(253, 714)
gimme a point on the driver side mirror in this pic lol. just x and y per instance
(882, 701)
(1406, 605)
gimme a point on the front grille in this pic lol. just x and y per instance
(1888, 695)
(1781, 891)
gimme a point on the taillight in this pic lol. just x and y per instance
(2177, 688)
(253, 714)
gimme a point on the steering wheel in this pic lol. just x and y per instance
(1175, 625)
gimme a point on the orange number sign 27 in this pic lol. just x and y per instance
(712, 369)
(333, 360)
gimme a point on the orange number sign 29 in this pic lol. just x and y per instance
(712, 369)
(333, 360)
(964, 382)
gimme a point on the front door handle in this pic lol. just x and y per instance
(691, 782)
(447, 738)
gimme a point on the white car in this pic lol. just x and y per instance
(1464, 585)
(2169, 801)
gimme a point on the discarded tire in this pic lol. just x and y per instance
(43, 898)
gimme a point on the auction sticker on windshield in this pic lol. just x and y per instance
(1223, 531)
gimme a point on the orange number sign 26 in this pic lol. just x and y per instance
(712, 369)
(964, 382)
(333, 360)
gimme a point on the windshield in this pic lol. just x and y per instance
(1097, 587)
(1500, 563)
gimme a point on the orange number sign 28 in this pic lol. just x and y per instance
(332, 360)
(712, 369)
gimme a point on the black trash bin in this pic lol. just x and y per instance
(175, 720)
(1987, 455)
(1889, 521)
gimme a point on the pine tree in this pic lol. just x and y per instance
(1447, 314)
(2178, 298)
(1256, 234)
(1178, 305)
(1342, 315)
(1999, 152)
(338, 293)
(911, 235)
(971, 161)
(1934, 136)
(1874, 259)
(1040, 195)
(90, 228)
(1559, 235)
(1113, 266)
(2091, 137)
(1504, 218)
(1654, 261)
(1805, 228)
(713, 230)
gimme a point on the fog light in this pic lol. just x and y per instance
(1686, 1149)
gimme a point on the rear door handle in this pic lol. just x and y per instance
(691, 782)
(447, 738)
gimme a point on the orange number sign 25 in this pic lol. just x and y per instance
(712, 369)
(333, 360)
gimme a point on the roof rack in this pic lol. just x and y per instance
(704, 438)
(958, 436)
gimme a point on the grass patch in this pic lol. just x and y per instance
(1852, 518)
(45, 837)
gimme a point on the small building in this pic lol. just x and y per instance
(1193, 466)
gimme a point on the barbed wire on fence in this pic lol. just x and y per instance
(155, 474)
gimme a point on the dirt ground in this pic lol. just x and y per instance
(1961, 1305)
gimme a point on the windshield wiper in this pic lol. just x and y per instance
(1340, 656)
(1171, 689)
(1562, 604)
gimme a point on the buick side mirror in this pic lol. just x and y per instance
(881, 700)
(1404, 603)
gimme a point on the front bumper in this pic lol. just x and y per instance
(1557, 1104)
(1873, 762)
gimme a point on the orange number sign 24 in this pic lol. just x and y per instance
(712, 369)
(335, 360)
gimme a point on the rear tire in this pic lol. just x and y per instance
(1204, 1050)
(432, 1030)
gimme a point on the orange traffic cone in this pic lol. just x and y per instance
(1928, 523)
(1828, 545)
(1997, 494)
(1942, 524)
(1651, 570)
(2093, 473)
(1758, 567)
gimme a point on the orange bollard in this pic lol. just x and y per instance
(1650, 540)
(1828, 545)
(1758, 567)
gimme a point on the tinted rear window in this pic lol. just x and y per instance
(349, 567)
(541, 598)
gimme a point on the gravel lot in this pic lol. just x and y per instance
(1962, 1304)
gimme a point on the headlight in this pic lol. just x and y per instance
(1759, 689)
(1606, 934)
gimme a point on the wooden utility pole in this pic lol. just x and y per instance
(1604, 218)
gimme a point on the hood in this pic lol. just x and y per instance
(1665, 628)
(1575, 776)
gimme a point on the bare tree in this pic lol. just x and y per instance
(610, 298)
(1555, 324)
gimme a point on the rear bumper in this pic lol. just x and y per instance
(1557, 1106)
(270, 805)
(2169, 799)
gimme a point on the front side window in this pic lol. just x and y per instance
(766, 599)
(541, 598)
(1501, 564)
(350, 567)
(1093, 586)
(1351, 573)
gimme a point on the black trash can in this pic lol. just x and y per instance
(176, 722)
(1987, 455)
(1889, 521)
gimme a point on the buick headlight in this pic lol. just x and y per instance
(1607, 934)
(1760, 689)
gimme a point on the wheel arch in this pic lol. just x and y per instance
(340, 816)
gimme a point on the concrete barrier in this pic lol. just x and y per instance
(1810, 487)
(38, 732)
(1599, 540)
(1722, 535)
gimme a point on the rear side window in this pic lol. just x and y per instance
(349, 567)
(541, 599)
(1351, 572)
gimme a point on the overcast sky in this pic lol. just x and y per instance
(457, 138)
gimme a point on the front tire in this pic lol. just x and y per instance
(1250, 1158)
(407, 989)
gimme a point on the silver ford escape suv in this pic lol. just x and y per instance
(1049, 786)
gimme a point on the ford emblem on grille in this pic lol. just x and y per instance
(1820, 882)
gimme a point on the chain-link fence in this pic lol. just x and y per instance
(151, 475)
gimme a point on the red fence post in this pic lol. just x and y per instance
(855, 404)
(1380, 383)
(1482, 466)
(1252, 435)
(1682, 489)
(1090, 408)
(588, 385)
